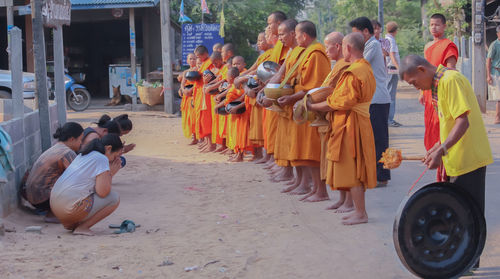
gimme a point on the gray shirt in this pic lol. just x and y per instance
(373, 53)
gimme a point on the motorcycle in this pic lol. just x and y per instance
(77, 95)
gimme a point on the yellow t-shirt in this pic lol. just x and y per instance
(472, 151)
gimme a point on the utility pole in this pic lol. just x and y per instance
(41, 95)
(10, 24)
(165, 55)
(479, 53)
(59, 74)
(381, 13)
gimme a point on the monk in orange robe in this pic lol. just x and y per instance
(233, 94)
(440, 51)
(351, 146)
(333, 46)
(300, 143)
(255, 133)
(202, 101)
(281, 171)
(216, 59)
(186, 92)
(278, 54)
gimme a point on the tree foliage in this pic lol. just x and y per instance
(244, 19)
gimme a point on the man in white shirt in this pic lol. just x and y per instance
(379, 108)
(393, 69)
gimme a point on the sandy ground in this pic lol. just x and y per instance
(228, 220)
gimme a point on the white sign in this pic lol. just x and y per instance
(56, 13)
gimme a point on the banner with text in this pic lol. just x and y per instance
(194, 35)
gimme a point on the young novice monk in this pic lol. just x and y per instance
(186, 92)
(351, 147)
(233, 94)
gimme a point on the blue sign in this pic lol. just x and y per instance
(194, 35)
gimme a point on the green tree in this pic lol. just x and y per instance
(244, 19)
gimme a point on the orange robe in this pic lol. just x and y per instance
(299, 144)
(233, 93)
(324, 131)
(278, 55)
(256, 133)
(436, 54)
(215, 116)
(186, 112)
(202, 105)
(351, 146)
(222, 125)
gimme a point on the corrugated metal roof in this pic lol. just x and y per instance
(110, 4)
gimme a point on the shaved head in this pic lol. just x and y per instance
(233, 72)
(410, 63)
(228, 46)
(308, 28)
(216, 56)
(334, 38)
(201, 49)
(289, 24)
(356, 41)
(278, 16)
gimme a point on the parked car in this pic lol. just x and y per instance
(29, 85)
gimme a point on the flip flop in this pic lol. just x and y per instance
(125, 226)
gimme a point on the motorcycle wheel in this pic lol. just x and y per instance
(80, 100)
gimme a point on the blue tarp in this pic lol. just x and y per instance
(111, 4)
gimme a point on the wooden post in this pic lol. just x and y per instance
(41, 95)
(133, 59)
(16, 56)
(59, 74)
(166, 56)
(479, 54)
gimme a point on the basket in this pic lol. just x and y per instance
(150, 96)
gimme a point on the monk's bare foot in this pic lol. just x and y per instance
(262, 160)
(227, 152)
(193, 142)
(289, 188)
(317, 198)
(356, 218)
(344, 209)
(238, 158)
(83, 231)
(209, 148)
(336, 205)
(301, 190)
(220, 148)
(308, 195)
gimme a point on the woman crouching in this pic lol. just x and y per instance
(82, 196)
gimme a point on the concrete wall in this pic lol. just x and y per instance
(26, 139)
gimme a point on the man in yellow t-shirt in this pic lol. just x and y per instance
(464, 148)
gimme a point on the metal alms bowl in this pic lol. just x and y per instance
(266, 70)
(192, 75)
(252, 83)
(233, 104)
(273, 91)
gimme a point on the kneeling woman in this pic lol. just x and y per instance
(82, 196)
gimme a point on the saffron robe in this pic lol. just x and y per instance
(324, 131)
(186, 113)
(351, 146)
(278, 55)
(203, 115)
(233, 93)
(300, 143)
(256, 132)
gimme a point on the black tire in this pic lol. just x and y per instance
(5, 94)
(80, 101)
